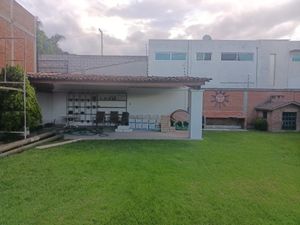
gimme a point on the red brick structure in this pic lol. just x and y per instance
(17, 36)
(237, 107)
(280, 114)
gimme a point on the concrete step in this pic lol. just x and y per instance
(118, 130)
(231, 127)
(123, 129)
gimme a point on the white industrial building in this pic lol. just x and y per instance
(272, 64)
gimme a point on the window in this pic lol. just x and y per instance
(296, 57)
(265, 114)
(178, 56)
(289, 120)
(162, 56)
(242, 56)
(237, 56)
(227, 56)
(200, 56)
(170, 56)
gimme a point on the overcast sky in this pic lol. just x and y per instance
(128, 24)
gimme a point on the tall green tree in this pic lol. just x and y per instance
(46, 45)
(12, 106)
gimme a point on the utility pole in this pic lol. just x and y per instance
(248, 81)
(101, 33)
(147, 58)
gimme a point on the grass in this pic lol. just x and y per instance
(228, 178)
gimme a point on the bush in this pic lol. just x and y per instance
(261, 124)
(11, 103)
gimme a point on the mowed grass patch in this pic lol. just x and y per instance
(228, 178)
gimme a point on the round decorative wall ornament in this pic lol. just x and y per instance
(220, 98)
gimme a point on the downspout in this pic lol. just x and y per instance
(256, 69)
(288, 73)
(147, 64)
(188, 58)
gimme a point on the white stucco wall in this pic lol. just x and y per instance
(294, 75)
(53, 106)
(45, 101)
(143, 101)
(229, 74)
(140, 101)
(59, 106)
(294, 69)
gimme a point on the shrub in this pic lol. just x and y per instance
(11, 103)
(261, 124)
(181, 125)
(185, 124)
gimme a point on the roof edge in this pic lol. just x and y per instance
(162, 81)
(264, 108)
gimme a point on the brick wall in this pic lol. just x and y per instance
(240, 103)
(258, 97)
(16, 22)
(165, 124)
(275, 118)
(231, 106)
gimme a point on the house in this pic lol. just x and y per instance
(280, 114)
(147, 99)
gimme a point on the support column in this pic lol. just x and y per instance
(195, 101)
(245, 108)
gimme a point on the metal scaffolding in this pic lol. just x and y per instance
(11, 85)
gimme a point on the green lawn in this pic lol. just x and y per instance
(249, 178)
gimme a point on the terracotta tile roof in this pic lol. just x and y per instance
(270, 106)
(100, 79)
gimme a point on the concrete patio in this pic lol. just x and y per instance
(134, 135)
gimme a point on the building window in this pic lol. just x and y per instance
(178, 56)
(170, 56)
(237, 56)
(244, 56)
(227, 56)
(296, 57)
(265, 114)
(203, 56)
(289, 120)
(162, 56)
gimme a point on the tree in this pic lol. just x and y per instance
(11, 103)
(46, 45)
